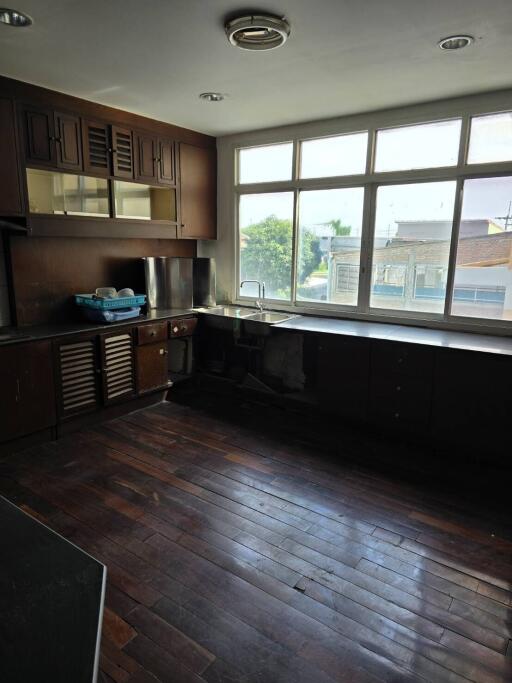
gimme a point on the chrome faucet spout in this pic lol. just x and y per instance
(261, 292)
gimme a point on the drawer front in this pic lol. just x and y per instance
(182, 327)
(150, 334)
(403, 359)
(399, 412)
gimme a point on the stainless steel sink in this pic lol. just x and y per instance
(227, 311)
(271, 317)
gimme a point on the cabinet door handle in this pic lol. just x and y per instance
(163, 352)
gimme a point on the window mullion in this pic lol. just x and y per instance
(450, 279)
(365, 259)
(295, 245)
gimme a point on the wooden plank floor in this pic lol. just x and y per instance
(238, 553)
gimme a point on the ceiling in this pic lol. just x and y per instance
(154, 57)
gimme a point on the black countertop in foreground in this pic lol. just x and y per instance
(465, 341)
(51, 596)
(50, 330)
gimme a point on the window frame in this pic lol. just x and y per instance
(370, 180)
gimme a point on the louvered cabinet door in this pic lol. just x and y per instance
(96, 145)
(122, 152)
(118, 366)
(78, 377)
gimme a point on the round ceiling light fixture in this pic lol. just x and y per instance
(257, 32)
(211, 96)
(12, 17)
(455, 42)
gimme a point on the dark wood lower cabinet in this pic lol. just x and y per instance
(343, 368)
(27, 388)
(152, 367)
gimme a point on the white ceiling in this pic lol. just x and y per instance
(154, 57)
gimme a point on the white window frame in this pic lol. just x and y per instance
(230, 191)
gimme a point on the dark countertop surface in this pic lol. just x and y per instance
(465, 341)
(13, 335)
(52, 603)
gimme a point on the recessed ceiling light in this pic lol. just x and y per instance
(257, 32)
(12, 17)
(455, 42)
(211, 96)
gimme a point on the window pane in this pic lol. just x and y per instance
(265, 164)
(483, 274)
(330, 223)
(413, 227)
(134, 200)
(428, 145)
(266, 236)
(341, 155)
(52, 192)
(490, 139)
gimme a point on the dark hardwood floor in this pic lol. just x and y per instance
(240, 551)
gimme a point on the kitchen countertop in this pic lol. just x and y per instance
(52, 603)
(50, 330)
(465, 341)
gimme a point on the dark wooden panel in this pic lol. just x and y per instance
(96, 145)
(152, 367)
(146, 158)
(166, 165)
(343, 375)
(472, 403)
(149, 334)
(38, 127)
(27, 386)
(122, 152)
(48, 270)
(69, 141)
(11, 203)
(198, 199)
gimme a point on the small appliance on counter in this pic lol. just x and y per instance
(179, 282)
(107, 305)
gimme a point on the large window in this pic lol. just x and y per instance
(388, 222)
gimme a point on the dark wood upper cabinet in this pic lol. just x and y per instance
(166, 162)
(155, 162)
(146, 158)
(39, 134)
(69, 141)
(11, 196)
(198, 177)
(122, 152)
(96, 141)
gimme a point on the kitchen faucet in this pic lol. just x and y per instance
(261, 292)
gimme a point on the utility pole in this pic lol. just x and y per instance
(507, 218)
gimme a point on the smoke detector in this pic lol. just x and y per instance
(257, 32)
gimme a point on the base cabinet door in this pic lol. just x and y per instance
(152, 367)
(117, 366)
(28, 393)
(78, 388)
(342, 376)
